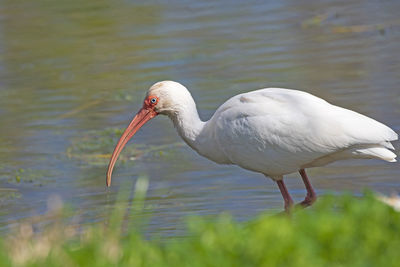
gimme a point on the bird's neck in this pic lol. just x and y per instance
(188, 123)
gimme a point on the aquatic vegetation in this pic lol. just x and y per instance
(20, 176)
(337, 231)
(95, 147)
(326, 20)
(7, 194)
(28, 176)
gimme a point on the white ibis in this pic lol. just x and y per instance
(272, 131)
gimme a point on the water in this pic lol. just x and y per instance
(71, 70)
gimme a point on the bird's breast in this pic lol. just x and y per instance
(209, 148)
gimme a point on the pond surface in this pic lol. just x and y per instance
(73, 73)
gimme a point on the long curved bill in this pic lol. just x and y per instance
(143, 116)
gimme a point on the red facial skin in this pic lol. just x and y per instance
(145, 114)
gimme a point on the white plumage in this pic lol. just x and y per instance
(279, 131)
(272, 131)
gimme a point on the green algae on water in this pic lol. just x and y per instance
(95, 148)
(31, 176)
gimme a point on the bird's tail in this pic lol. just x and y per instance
(378, 151)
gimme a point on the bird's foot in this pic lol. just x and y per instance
(308, 201)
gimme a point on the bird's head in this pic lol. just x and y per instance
(167, 98)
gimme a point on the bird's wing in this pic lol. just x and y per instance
(290, 128)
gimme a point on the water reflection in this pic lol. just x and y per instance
(68, 68)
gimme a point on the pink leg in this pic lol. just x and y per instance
(311, 197)
(285, 193)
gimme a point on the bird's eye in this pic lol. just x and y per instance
(153, 100)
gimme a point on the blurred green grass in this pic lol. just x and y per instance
(337, 231)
